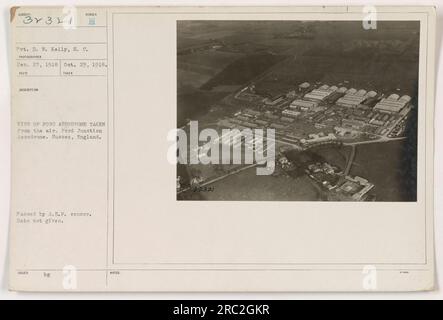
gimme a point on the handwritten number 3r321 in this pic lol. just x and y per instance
(48, 20)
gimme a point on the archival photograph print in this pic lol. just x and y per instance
(297, 110)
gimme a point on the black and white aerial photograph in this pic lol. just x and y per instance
(341, 101)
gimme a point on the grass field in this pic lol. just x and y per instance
(243, 70)
(246, 185)
(391, 166)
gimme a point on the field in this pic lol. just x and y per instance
(336, 156)
(391, 166)
(194, 104)
(345, 54)
(246, 185)
(243, 70)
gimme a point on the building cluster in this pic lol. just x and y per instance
(321, 93)
(372, 121)
(353, 98)
(349, 98)
(291, 113)
(340, 112)
(341, 187)
(274, 102)
(303, 105)
(354, 188)
(333, 114)
(325, 174)
(392, 104)
(318, 138)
